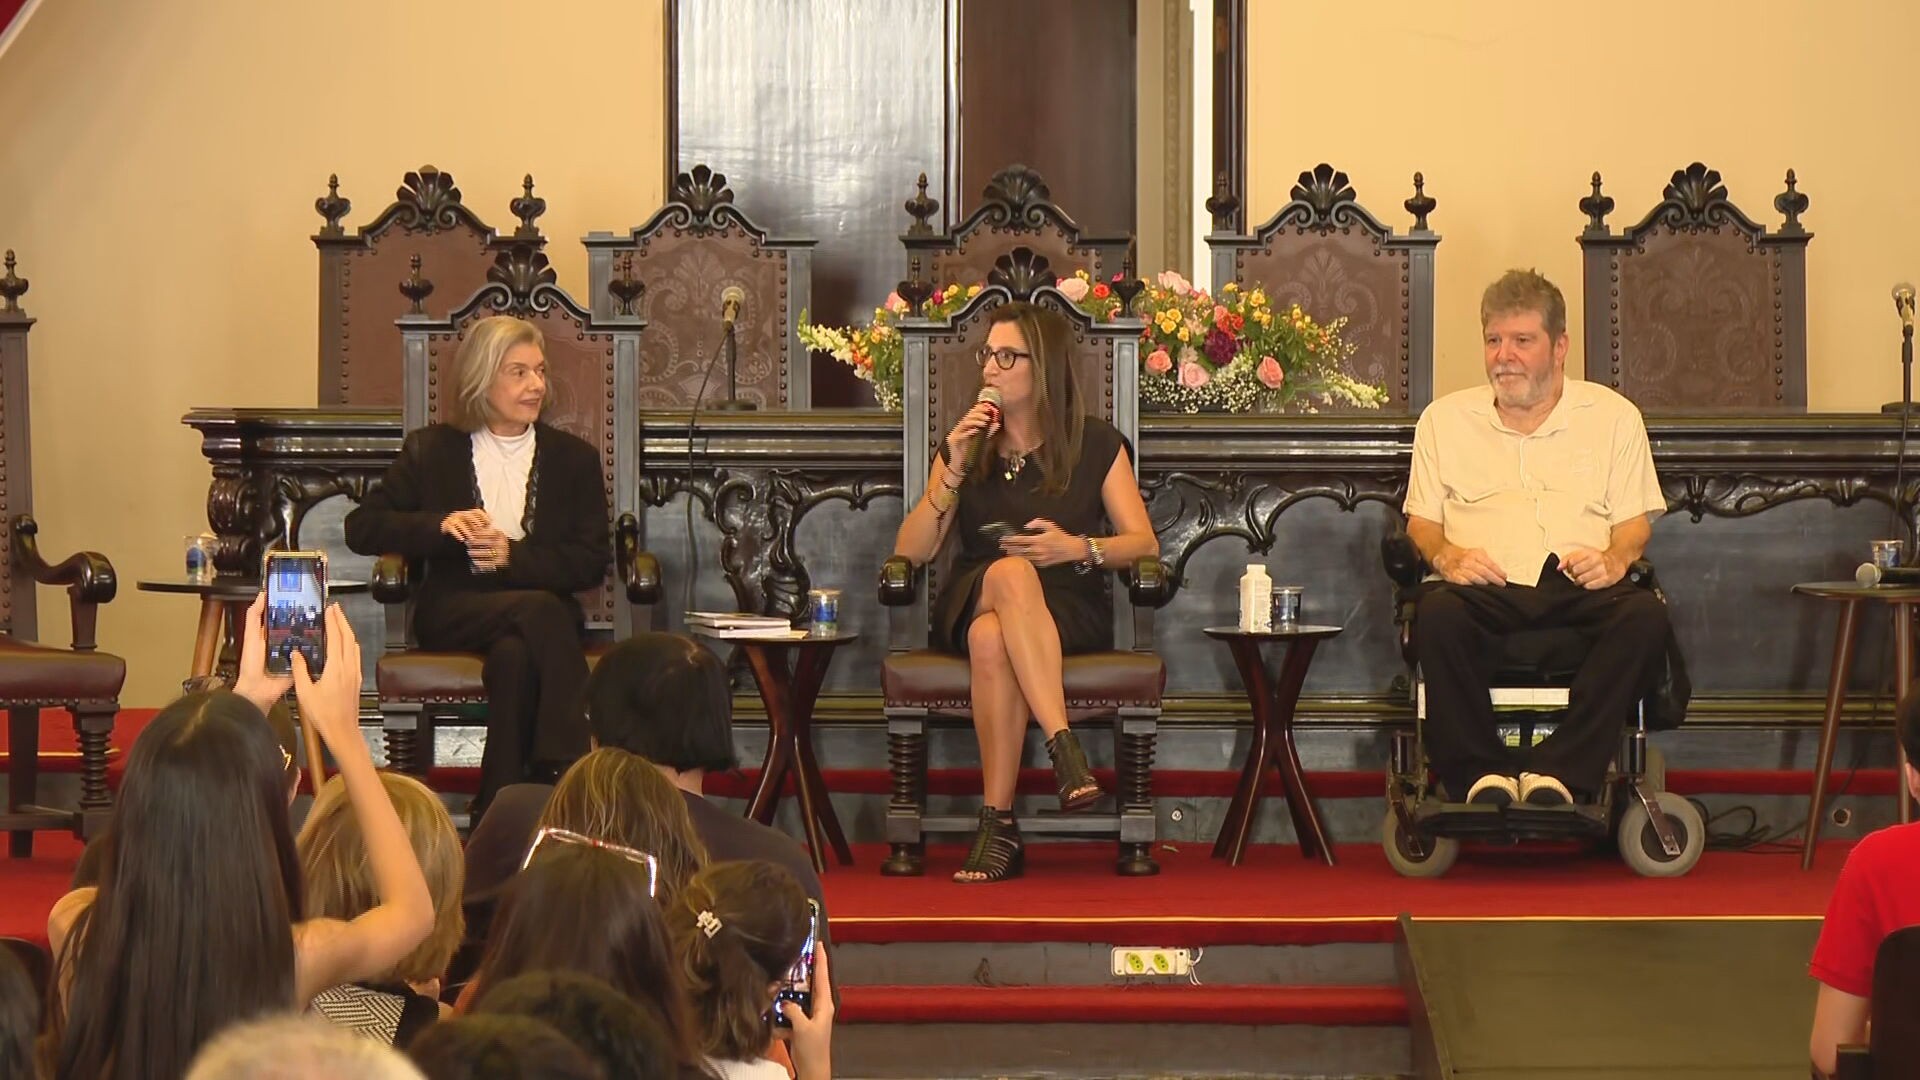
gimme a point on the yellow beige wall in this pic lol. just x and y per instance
(1508, 107)
(158, 166)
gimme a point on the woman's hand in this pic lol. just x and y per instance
(489, 550)
(980, 422)
(253, 682)
(1046, 544)
(812, 1037)
(466, 525)
(331, 703)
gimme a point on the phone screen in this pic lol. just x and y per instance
(797, 987)
(296, 606)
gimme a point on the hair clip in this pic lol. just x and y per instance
(708, 922)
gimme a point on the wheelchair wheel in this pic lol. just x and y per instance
(1640, 845)
(1437, 859)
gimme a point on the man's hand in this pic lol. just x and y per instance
(252, 681)
(1468, 566)
(1592, 569)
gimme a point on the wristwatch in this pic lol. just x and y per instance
(1095, 557)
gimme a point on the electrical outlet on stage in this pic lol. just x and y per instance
(1129, 962)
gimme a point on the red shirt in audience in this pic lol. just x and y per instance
(1878, 893)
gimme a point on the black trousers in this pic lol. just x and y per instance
(1457, 631)
(535, 673)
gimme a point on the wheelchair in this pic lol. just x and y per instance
(1658, 833)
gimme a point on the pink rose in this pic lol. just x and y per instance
(1159, 362)
(1173, 282)
(1270, 374)
(896, 304)
(1193, 376)
(1073, 288)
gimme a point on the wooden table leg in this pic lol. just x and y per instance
(206, 639)
(771, 674)
(1902, 678)
(1843, 643)
(1306, 818)
(1232, 841)
(816, 806)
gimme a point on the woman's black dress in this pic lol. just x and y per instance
(1080, 602)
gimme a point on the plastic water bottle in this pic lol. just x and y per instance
(1256, 599)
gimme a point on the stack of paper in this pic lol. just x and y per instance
(734, 624)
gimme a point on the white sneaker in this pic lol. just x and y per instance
(1537, 789)
(1494, 789)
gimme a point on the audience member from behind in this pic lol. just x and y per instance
(738, 928)
(617, 1032)
(666, 698)
(1878, 893)
(196, 923)
(296, 1048)
(501, 1048)
(584, 908)
(396, 1005)
(19, 1016)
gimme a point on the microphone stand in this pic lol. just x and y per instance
(1904, 522)
(733, 403)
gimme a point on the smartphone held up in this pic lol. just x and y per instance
(296, 587)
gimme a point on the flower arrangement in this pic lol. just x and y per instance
(875, 351)
(1231, 352)
(1234, 352)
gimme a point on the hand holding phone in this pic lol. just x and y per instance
(810, 1038)
(296, 591)
(997, 532)
(796, 989)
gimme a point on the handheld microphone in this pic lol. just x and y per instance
(1903, 303)
(992, 399)
(731, 298)
(1869, 575)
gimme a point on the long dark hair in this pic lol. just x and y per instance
(1058, 405)
(583, 909)
(192, 927)
(760, 919)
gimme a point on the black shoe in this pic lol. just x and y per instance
(1072, 778)
(997, 851)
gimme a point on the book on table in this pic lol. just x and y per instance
(734, 625)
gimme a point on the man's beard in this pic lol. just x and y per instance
(1530, 392)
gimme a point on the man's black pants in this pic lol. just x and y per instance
(1457, 631)
(535, 673)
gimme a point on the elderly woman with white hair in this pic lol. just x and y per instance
(509, 517)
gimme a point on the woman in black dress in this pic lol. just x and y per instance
(509, 518)
(1015, 604)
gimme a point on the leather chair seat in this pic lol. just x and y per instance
(440, 677)
(1096, 683)
(32, 674)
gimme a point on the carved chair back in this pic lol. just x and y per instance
(941, 381)
(1016, 211)
(427, 222)
(688, 253)
(592, 380)
(1328, 254)
(1697, 306)
(18, 612)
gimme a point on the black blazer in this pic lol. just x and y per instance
(568, 543)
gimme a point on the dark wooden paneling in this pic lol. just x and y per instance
(1051, 85)
(823, 112)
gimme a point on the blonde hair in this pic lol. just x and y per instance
(338, 876)
(623, 799)
(1526, 290)
(481, 354)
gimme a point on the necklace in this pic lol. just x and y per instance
(1013, 463)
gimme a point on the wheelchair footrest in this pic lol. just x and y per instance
(1518, 822)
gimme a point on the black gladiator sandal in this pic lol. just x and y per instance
(997, 851)
(1071, 776)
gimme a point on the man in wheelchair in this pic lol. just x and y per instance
(1530, 499)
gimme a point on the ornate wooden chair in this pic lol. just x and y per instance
(1016, 210)
(1698, 307)
(919, 684)
(593, 367)
(1327, 253)
(359, 347)
(688, 252)
(80, 679)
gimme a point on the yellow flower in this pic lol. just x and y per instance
(973, 291)
(1231, 286)
(1257, 297)
(952, 291)
(1082, 275)
(1185, 335)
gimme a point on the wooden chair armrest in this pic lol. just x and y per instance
(639, 570)
(899, 581)
(1147, 585)
(392, 580)
(88, 576)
